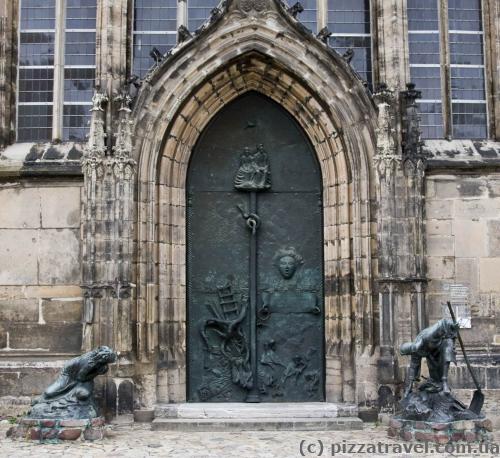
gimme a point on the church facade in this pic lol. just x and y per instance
(249, 202)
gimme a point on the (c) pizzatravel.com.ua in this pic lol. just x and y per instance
(319, 447)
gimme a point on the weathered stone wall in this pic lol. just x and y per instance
(463, 247)
(40, 295)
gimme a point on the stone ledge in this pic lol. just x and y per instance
(264, 410)
(55, 430)
(257, 424)
(441, 433)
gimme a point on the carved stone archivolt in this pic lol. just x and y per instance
(249, 6)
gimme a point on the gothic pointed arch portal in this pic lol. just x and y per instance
(266, 51)
(255, 259)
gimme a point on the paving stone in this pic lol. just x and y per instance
(139, 441)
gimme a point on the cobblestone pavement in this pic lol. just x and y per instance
(138, 441)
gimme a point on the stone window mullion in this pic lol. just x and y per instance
(322, 14)
(491, 74)
(445, 68)
(57, 119)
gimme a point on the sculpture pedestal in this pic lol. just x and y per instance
(54, 430)
(441, 433)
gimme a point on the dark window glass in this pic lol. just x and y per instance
(309, 16)
(464, 15)
(34, 123)
(349, 16)
(36, 48)
(78, 84)
(431, 119)
(198, 12)
(155, 25)
(362, 61)
(423, 15)
(80, 48)
(428, 81)
(76, 119)
(425, 68)
(467, 83)
(35, 85)
(349, 21)
(79, 67)
(81, 14)
(143, 43)
(466, 49)
(38, 14)
(155, 15)
(424, 48)
(469, 120)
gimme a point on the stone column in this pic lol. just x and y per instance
(390, 43)
(400, 195)
(107, 228)
(387, 164)
(9, 20)
(111, 54)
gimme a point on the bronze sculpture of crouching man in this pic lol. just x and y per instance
(433, 400)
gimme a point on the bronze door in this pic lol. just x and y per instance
(255, 259)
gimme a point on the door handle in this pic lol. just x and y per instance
(252, 219)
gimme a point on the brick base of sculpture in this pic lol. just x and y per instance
(51, 430)
(441, 433)
(67, 410)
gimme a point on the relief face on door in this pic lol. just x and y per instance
(255, 259)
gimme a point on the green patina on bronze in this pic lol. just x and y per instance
(255, 259)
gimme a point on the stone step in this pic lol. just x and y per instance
(257, 424)
(263, 410)
(233, 416)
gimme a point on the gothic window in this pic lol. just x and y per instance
(79, 67)
(454, 42)
(155, 26)
(36, 70)
(425, 63)
(54, 105)
(349, 22)
(468, 98)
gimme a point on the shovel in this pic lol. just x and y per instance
(477, 401)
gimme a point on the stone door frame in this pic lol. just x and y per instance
(319, 89)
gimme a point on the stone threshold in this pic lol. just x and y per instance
(310, 416)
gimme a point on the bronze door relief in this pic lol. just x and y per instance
(255, 259)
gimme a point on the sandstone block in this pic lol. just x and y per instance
(440, 266)
(446, 188)
(19, 310)
(438, 227)
(60, 206)
(69, 311)
(59, 255)
(439, 209)
(18, 256)
(467, 272)
(477, 208)
(493, 238)
(470, 238)
(19, 208)
(54, 337)
(489, 274)
(439, 245)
